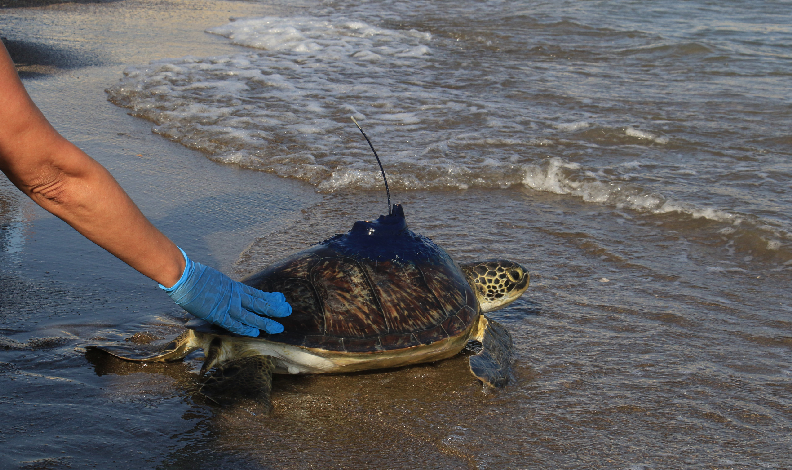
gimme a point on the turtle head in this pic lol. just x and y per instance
(497, 282)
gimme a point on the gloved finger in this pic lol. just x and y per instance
(262, 323)
(238, 327)
(269, 309)
(262, 305)
(273, 297)
(276, 297)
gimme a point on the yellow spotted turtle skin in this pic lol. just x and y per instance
(496, 279)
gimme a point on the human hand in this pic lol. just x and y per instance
(212, 296)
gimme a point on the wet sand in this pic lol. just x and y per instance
(58, 290)
(68, 53)
(43, 3)
(34, 59)
(627, 356)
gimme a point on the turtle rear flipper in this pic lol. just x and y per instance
(175, 350)
(240, 380)
(492, 365)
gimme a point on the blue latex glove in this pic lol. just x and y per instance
(212, 296)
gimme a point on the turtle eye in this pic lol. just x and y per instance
(515, 275)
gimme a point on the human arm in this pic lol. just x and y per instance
(68, 183)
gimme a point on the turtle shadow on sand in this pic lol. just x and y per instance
(377, 297)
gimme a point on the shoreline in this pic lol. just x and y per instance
(33, 59)
(67, 57)
(4, 4)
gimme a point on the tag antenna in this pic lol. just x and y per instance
(390, 211)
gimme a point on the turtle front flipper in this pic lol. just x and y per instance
(175, 350)
(240, 380)
(492, 365)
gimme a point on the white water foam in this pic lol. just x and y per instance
(573, 126)
(330, 38)
(637, 133)
(560, 177)
(284, 108)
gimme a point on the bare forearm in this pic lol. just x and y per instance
(78, 190)
(68, 183)
(62, 179)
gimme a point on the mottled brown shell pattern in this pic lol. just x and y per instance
(340, 303)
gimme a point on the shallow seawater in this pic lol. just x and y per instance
(634, 157)
(656, 114)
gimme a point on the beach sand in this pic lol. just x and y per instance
(56, 284)
(43, 3)
(59, 292)
(648, 339)
(33, 58)
(68, 53)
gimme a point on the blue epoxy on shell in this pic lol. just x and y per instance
(386, 238)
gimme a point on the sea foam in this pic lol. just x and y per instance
(284, 106)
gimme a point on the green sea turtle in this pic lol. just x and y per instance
(379, 296)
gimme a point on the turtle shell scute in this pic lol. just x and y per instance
(431, 335)
(354, 293)
(399, 341)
